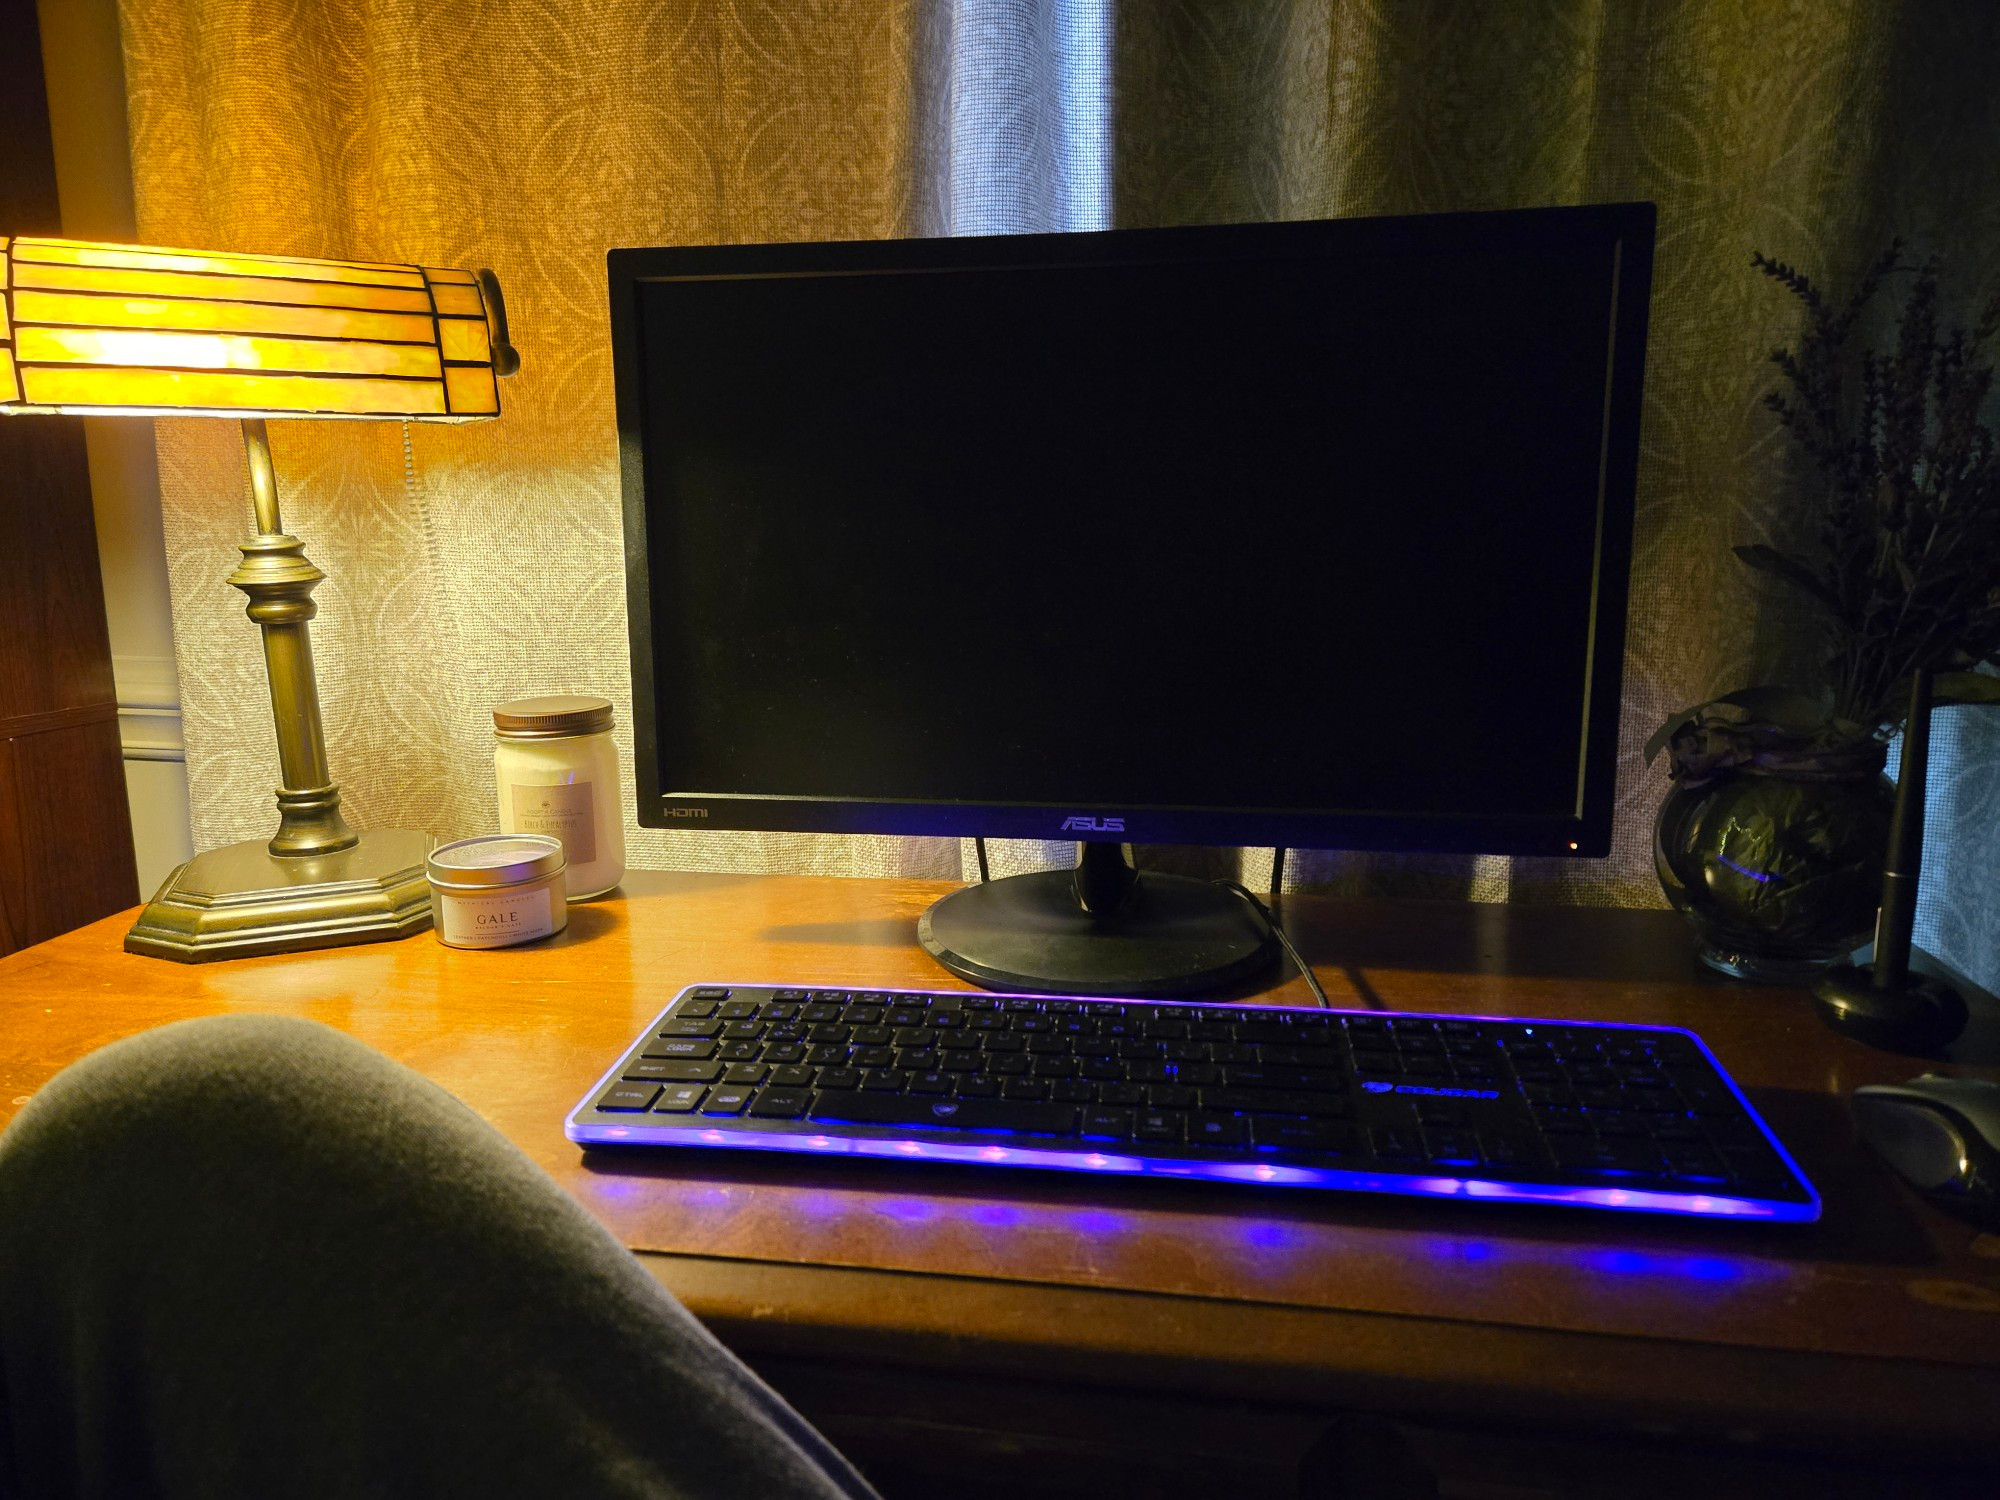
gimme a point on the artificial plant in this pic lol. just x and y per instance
(1902, 564)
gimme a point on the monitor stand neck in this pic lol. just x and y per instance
(1103, 928)
(1105, 880)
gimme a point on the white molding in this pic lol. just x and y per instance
(149, 708)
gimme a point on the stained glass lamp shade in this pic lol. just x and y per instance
(130, 330)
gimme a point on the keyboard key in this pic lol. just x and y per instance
(672, 1072)
(1161, 1125)
(680, 1047)
(1024, 1088)
(705, 1029)
(959, 1114)
(679, 1098)
(780, 1104)
(1452, 1148)
(1107, 1124)
(1582, 1153)
(728, 1099)
(884, 1081)
(1301, 1057)
(751, 1073)
(1272, 1102)
(1393, 1144)
(1503, 1148)
(628, 1098)
(930, 1083)
(1282, 1078)
(1695, 1164)
(1451, 1116)
(792, 1078)
(1217, 1130)
(1288, 1133)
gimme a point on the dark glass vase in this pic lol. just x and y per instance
(1779, 871)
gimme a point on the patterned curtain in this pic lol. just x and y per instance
(474, 564)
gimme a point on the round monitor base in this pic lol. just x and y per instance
(1174, 936)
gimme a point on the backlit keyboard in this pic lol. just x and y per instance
(1559, 1112)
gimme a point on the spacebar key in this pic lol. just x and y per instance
(1020, 1117)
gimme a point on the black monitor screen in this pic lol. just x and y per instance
(1305, 533)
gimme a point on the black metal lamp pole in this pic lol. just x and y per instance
(1883, 1003)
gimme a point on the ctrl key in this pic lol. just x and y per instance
(628, 1098)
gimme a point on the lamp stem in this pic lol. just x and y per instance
(279, 580)
(263, 478)
(1896, 921)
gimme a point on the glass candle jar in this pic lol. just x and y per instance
(556, 771)
(496, 890)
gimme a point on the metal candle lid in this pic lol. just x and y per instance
(555, 716)
(494, 859)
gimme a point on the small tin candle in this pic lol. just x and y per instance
(497, 889)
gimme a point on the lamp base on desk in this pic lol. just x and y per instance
(242, 899)
(1916, 1015)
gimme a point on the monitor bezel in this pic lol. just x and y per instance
(1626, 233)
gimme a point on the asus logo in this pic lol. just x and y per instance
(1081, 824)
(687, 812)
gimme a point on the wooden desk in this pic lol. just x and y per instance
(948, 1322)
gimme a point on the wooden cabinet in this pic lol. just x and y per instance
(65, 830)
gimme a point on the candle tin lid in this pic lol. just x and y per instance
(494, 860)
(552, 717)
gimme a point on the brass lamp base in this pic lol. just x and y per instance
(242, 899)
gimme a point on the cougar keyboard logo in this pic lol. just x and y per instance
(1080, 824)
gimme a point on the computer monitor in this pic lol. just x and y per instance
(1303, 534)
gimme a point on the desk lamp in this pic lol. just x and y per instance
(128, 330)
(1884, 1003)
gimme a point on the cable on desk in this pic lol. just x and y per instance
(1270, 922)
(1278, 870)
(979, 849)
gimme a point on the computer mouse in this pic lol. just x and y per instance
(1942, 1136)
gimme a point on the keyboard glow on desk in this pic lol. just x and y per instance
(1584, 1114)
